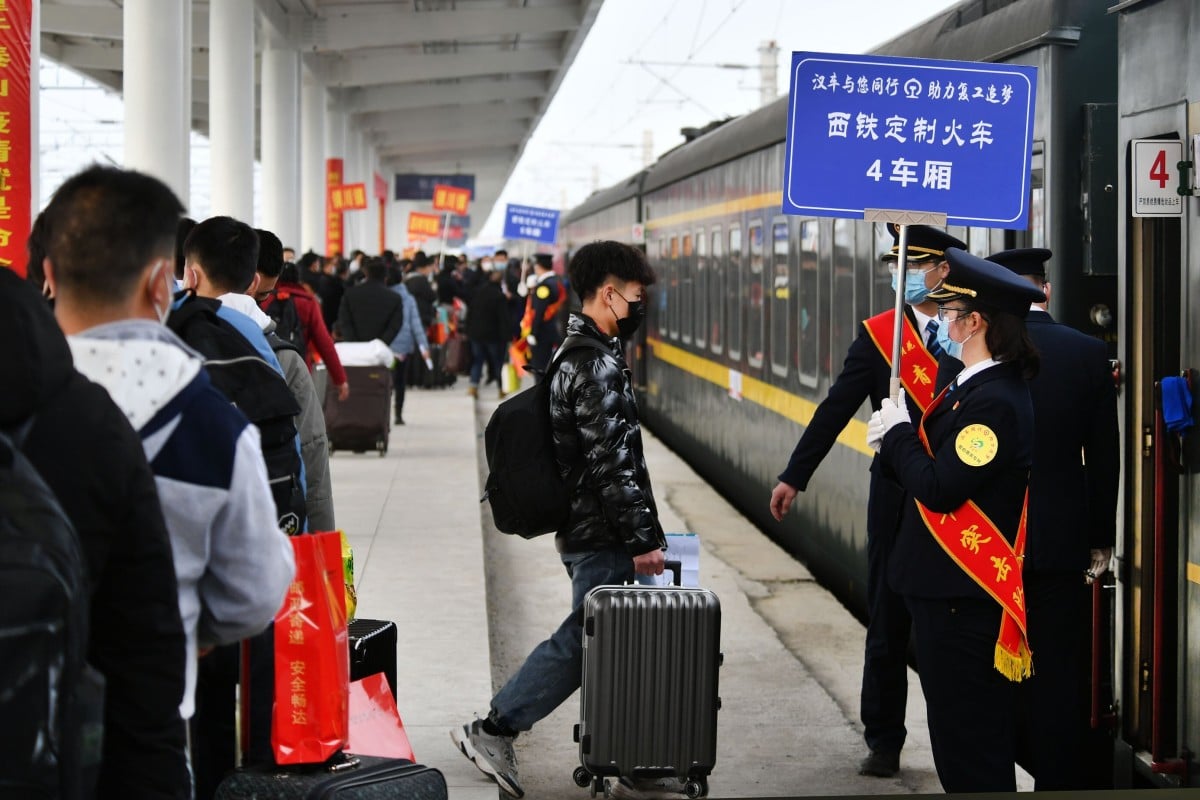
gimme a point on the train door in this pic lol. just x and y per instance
(1150, 570)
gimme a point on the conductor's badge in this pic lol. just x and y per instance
(976, 445)
(543, 292)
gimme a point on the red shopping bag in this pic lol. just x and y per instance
(375, 725)
(311, 719)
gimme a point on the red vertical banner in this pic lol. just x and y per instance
(334, 168)
(16, 147)
(381, 194)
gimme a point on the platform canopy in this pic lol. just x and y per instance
(439, 86)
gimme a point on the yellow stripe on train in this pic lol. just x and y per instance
(751, 203)
(772, 398)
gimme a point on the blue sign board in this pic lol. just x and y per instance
(527, 222)
(910, 134)
(413, 186)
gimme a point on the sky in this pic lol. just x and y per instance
(646, 69)
(647, 65)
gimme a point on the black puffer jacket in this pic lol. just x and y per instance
(595, 420)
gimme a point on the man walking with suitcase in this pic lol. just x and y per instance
(612, 531)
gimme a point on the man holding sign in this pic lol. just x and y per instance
(865, 375)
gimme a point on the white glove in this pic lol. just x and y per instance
(893, 414)
(532, 340)
(875, 432)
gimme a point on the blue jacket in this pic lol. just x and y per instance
(411, 335)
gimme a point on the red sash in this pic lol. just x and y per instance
(918, 368)
(974, 543)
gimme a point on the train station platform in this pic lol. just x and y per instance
(470, 603)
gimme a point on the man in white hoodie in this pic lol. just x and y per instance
(109, 259)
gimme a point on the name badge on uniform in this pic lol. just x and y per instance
(976, 445)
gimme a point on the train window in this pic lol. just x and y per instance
(883, 296)
(664, 280)
(781, 304)
(673, 290)
(1037, 205)
(755, 313)
(734, 294)
(716, 293)
(700, 289)
(686, 290)
(978, 242)
(843, 309)
(808, 326)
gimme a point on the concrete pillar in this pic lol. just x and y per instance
(231, 107)
(157, 65)
(371, 218)
(312, 164)
(281, 142)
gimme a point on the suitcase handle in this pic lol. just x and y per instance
(676, 568)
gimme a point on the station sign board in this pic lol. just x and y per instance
(912, 134)
(529, 222)
(415, 186)
(1156, 177)
(451, 198)
(348, 197)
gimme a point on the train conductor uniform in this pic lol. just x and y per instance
(1072, 527)
(539, 326)
(957, 555)
(865, 375)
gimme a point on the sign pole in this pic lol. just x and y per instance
(901, 270)
(445, 233)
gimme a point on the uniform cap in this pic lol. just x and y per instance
(924, 243)
(985, 283)
(1023, 261)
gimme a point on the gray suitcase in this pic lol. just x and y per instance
(644, 642)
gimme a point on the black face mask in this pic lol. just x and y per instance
(627, 326)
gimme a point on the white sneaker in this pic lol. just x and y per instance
(492, 754)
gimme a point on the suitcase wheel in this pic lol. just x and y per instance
(696, 787)
(582, 777)
(381, 446)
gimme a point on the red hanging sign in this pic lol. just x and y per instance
(334, 171)
(16, 146)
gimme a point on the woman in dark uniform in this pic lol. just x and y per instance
(957, 558)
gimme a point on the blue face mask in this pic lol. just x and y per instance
(949, 346)
(915, 290)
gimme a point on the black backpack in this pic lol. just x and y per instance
(51, 701)
(282, 309)
(527, 494)
(240, 373)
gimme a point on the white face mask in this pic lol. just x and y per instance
(166, 310)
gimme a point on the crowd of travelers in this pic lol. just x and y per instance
(184, 366)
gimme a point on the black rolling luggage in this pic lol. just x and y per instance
(363, 422)
(373, 649)
(360, 778)
(649, 696)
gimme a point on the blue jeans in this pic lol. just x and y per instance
(554, 669)
(491, 353)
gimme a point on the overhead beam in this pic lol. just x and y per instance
(108, 57)
(447, 116)
(104, 22)
(465, 153)
(417, 134)
(391, 28)
(398, 97)
(386, 67)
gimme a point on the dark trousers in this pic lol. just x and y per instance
(1054, 711)
(399, 378)
(213, 725)
(884, 697)
(971, 707)
(489, 353)
(542, 351)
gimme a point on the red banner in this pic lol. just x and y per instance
(16, 147)
(334, 171)
(424, 226)
(350, 197)
(381, 188)
(381, 194)
(451, 198)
